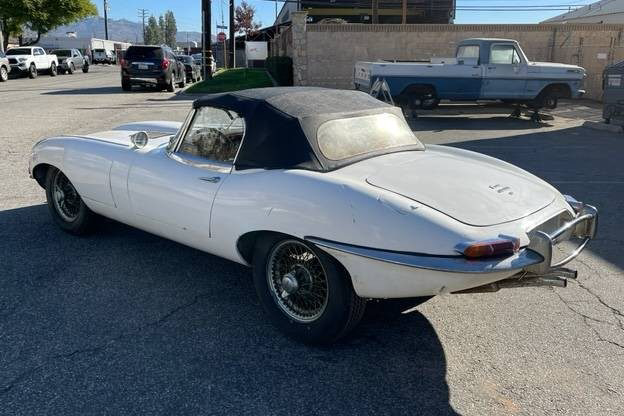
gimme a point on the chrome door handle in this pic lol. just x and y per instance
(212, 179)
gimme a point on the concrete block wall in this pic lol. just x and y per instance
(324, 54)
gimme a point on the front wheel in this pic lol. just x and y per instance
(32, 71)
(304, 291)
(4, 74)
(85, 68)
(72, 68)
(66, 206)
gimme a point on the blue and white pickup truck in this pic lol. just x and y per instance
(483, 69)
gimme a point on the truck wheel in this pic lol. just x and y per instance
(430, 103)
(32, 71)
(4, 74)
(53, 71)
(85, 68)
(72, 68)
(306, 293)
(66, 206)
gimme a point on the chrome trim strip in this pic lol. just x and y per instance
(452, 264)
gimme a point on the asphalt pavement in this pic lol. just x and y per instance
(123, 322)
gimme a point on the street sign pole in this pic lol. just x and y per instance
(206, 38)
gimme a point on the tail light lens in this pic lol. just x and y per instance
(165, 63)
(489, 248)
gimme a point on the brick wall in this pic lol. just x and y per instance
(324, 55)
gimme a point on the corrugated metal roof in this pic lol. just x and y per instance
(604, 11)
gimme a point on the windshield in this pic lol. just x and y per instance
(349, 137)
(62, 52)
(19, 51)
(144, 52)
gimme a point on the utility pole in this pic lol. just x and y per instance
(206, 37)
(142, 16)
(232, 45)
(106, 19)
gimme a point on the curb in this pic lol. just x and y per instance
(595, 125)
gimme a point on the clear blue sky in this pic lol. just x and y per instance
(188, 12)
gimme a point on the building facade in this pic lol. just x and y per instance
(373, 11)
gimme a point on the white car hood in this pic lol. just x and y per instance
(471, 190)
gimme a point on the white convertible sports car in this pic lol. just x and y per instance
(327, 194)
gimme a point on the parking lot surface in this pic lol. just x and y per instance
(123, 322)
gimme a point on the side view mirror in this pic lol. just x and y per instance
(139, 140)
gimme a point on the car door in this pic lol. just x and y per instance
(172, 191)
(38, 58)
(77, 58)
(505, 74)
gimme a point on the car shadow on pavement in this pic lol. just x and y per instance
(129, 322)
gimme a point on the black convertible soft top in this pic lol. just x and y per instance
(281, 124)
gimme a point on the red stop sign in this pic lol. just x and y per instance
(220, 37)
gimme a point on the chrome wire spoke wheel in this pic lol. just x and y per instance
(65, 197)
(297, 281)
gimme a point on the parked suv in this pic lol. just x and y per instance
(5, 67)
(152, 65)
(193, 69)
(104, 56)
(69, 60)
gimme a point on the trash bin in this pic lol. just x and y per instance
(613, 96)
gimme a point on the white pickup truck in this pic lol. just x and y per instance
(31, 60)
(483, 69)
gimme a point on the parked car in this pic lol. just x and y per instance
(31, 60)
(152, 65)
(192, 69)
(197, 57)
(70, 60)
(327, 194)
(483, 69)
(104, 56)
(5, 67)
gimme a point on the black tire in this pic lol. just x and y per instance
(342, 309)
(85, 68)
(32, 71)
(53, 70)
(171, 85)
(4, 74)
(82, 219)
(71, 69)
(182, 82)
(126, 86)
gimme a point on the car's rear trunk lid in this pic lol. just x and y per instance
(470, 191)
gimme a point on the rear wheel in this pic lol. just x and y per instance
(53, 71)
(66, 206)
(4, 74)
(304, 291)
(171, 84)
(85, 68)
(182, 82)
(71, 69)
(126, 86)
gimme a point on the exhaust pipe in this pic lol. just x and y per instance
(555, 278)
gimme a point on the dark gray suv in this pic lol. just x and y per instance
(152, 65)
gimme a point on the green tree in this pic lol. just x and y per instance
(244, 19)
(161, 28)
(152, 32)
(41, 16)
(171, 29)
